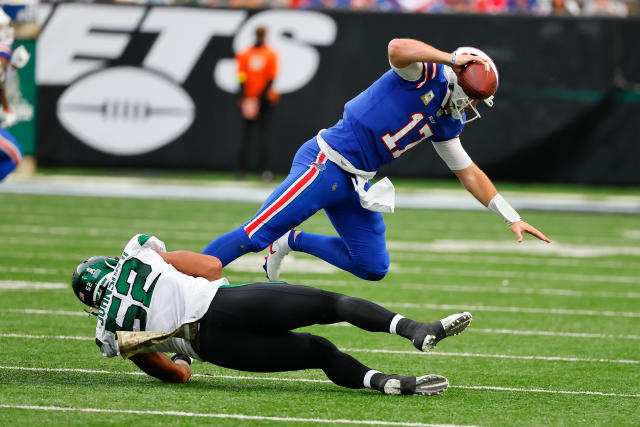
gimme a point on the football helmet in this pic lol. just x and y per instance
(91, 277)
(459, 102)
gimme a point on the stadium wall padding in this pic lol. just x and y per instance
(153, 87)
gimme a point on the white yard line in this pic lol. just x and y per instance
(555, 334)
(221, 416)
(47, 337)
(6, 285)
(506, 259)
(65, 231)
(631, 234)
(529, 333)
(494, 356)
(528, 247)
(343, 324)
(409, 352)
(509, 274)
(530, 310)
(537, 390)
(458, 258)
(502, 289)
(307, 380)
(30, 270)
(45, 312)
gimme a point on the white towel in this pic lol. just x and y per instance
(380, 197)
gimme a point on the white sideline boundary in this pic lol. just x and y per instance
(404, 352)
(219, 415)
(308, 380)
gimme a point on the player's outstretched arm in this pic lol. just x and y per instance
(194, 264)
(481, 187)
(404, 52)
(160, 366)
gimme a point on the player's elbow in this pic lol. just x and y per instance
(181, 376)
(212, 270)
(395, 50)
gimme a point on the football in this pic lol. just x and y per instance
(478, 81)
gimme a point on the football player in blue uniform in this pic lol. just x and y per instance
(417, 99)
(10, 62)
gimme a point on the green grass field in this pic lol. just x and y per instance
(555, 337)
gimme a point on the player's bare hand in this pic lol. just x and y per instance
(462, 60)
(522, 227)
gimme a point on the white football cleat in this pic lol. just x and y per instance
(427, 385)
(277, 251)
(429, 334)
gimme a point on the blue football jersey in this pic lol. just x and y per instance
(392, 116)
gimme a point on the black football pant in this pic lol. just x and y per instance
(248, 327)
(255, 139)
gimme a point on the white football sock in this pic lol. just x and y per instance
(367, 377)
(394, 323)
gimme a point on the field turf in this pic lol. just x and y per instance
(555, 337)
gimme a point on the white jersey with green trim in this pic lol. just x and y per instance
(147, 294)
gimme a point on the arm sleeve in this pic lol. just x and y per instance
(452, 153)
(411, 72)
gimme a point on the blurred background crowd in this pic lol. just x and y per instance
(614, 8)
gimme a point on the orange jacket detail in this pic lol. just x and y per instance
(257, 66)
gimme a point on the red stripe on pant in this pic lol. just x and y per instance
(10, 149)
(286, 198)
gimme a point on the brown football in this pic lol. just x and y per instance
(477, 81)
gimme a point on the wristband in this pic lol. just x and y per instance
(453, 59)
(179, 356)
(504, 210)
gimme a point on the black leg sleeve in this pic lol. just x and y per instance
(246, 350)
(282, 307)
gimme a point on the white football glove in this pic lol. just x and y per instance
(9, 119)
(20, 57)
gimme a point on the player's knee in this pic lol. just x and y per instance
(258, 243)
(374, 276)
(321, 347)
(375, 270)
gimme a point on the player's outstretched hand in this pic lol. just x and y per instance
(463, 60)
(522, 227)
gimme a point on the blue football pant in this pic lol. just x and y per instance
(314, 183)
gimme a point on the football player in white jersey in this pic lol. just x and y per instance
(151, 301)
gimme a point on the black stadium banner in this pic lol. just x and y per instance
(155, 87)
